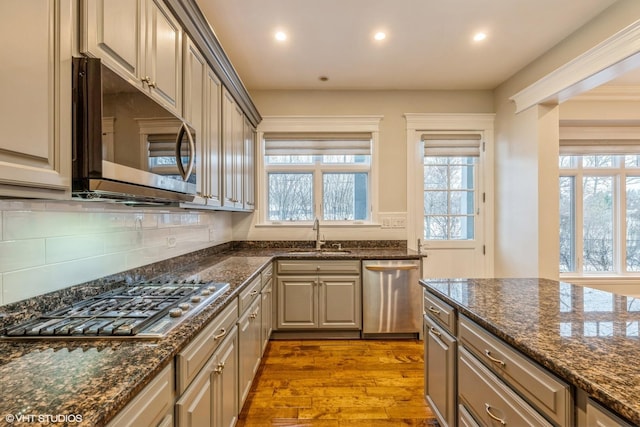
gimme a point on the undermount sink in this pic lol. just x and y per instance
(319, 251)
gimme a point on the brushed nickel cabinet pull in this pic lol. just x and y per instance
(435, 332)
(222, 333)
(487, 408)
(433, 310)
(493, 359)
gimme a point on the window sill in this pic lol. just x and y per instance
(604, 279)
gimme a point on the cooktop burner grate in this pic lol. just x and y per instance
(147, 309)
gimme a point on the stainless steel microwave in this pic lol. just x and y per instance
(126, 146)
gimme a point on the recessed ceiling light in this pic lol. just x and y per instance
(281, 36)
(478, 37)
(380, 35)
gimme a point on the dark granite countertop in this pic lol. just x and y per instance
(96, 378)
(588, 337)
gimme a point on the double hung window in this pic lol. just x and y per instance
(324, 175)
(450, 185)
(599, 208)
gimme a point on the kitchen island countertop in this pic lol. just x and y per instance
(588, 337)
(96, 378)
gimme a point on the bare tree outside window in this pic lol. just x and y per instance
(449, 198)
(608, 198)
(290, 197)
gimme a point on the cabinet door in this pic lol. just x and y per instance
(212, 166)
(297, 305)
(153, 406)
(195, 70)
(228, 149)
(249, 348)
(195, 406)
(226, 406)
(248, 175)
(339, 302)
(35, 108)
(113, 30)
(440, 372)
(163, 61)
(267, 315)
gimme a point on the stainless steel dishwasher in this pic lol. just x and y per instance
(391, 298)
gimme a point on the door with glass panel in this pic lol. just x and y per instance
(453, 204)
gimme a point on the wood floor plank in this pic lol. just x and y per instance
(338, 383)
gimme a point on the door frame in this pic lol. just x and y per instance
(417, 124)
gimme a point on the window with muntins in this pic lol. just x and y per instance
(317, 175)
(599, 208)
(450, 185)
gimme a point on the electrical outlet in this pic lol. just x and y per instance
(171, 242)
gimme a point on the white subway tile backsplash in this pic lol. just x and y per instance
(60, 249)
(46, 246)
(20, 254)
(22, 284)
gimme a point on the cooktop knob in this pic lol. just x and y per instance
(206, 292)
(196, 298)
(175, 312)
(184, 306)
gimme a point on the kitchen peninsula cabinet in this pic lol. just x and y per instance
(319, 295)
(141, 40)
(440, 360)
(35, 108)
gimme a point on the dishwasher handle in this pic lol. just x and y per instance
(388, 267)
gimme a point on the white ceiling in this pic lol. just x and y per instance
(428, 46)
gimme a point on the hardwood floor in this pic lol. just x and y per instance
(339, 383)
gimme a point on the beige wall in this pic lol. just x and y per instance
(393, 155)
(526, 245)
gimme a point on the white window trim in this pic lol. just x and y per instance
(370, 124)
(417, 124)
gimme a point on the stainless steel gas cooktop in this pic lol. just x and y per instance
(144, 310)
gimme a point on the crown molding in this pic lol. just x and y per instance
(600, 64)
(610, 93)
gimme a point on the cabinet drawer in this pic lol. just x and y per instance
(250, 293)
(190, 360)
(489, 400)
(152, 406)
(267, 275)
(440, 311)
(548, 393)
(598, 416)
(323, 267)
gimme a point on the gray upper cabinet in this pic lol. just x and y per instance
(141, 40)
(35, 108)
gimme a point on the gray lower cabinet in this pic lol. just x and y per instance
(207, 374)
(267, 313)
(319, 295)
(211, 399)
(598, 416)
(473, 378)
(440, 372)
(153, 406)
(250, 344)
(488, 399)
